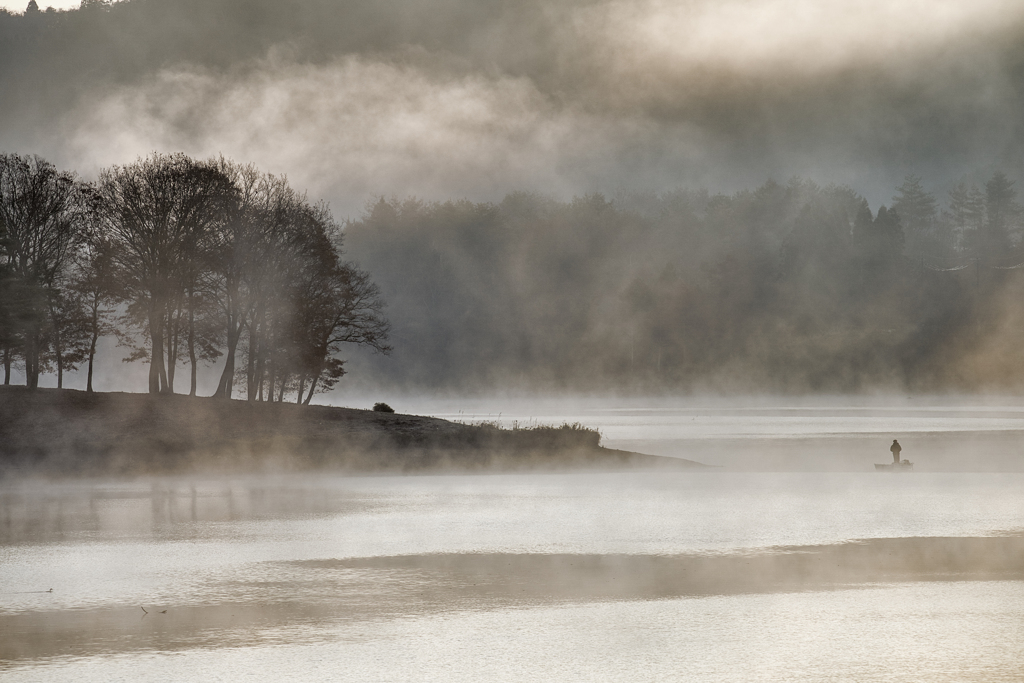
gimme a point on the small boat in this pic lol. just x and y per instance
(903, 466)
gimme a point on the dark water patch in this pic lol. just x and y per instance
(327, 592)
(639, 577)
(164, 509)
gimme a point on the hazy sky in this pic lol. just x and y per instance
(573, 96)
(20, 5)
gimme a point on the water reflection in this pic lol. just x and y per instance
(906, 633)
(41, 513)
(287, 566)
(316, 594)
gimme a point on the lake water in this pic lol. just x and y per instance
(938, 433)
(720, 575)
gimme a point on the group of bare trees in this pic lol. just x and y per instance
(184, 261)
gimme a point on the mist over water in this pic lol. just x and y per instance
(764, 433)
(422, 578)
(661, 220)
(718, 575)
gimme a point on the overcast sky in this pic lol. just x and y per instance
(568, 97)
(19, 5)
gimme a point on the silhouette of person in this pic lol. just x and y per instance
(895, 448)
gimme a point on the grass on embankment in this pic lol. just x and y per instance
(66, 432)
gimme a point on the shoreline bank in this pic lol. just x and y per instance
(71, 433)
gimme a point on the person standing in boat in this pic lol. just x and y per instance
(895, 448)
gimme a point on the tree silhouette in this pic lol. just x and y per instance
(1001, 212)
(917, 209)
(159, 214)
(966, 214)
(42, 211)
(94, 281)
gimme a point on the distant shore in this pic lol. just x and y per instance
(65, 432)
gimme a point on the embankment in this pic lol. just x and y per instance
(65, 432)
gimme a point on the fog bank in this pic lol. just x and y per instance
(452, 98)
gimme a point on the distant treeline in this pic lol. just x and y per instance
(184, 261)
(793, 287)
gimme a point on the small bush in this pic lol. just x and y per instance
(382, 408)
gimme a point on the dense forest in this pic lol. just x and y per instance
(793, 287)
(183, 261)
(790, 288)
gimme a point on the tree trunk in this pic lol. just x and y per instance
(271, 378)
(260, 373)
(92, 343)
(28, 362)
(227, 377)
(172, 350)
(255, 370)
(192, 340)
(88, 378)
(32, 359)
(156, 336)
(7, 365)
(302, 386)
(59, 352)
(312, 387)
(250, 370)
(280, 392)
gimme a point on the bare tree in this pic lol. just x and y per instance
(286, 300)
(252, 238)
(8, 329)
(42, 212)
(201, 258)
(336, 305)
(95, 286)
(161, 214)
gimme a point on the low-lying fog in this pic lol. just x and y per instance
(631, 576)
(820, 569)
(820, 433)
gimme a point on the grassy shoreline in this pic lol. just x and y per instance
(70, 433)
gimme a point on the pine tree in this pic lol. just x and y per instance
(1001, 211)
(966, 214)
(917, 210)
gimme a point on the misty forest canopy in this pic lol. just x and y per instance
(794, 287)
(185, 262)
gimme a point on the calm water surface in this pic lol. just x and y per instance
(819, 434)
(559, 577)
